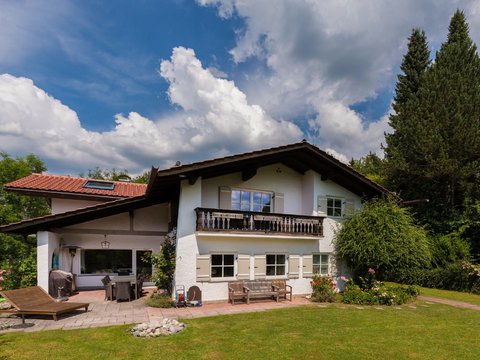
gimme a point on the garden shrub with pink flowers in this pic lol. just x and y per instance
(370, 291)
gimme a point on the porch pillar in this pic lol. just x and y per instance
(46, 244)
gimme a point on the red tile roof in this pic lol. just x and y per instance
(47, 184)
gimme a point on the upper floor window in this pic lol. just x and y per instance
(334, 206)
(245, 200)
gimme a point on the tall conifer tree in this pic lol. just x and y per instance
(439, 142)
(397, 158)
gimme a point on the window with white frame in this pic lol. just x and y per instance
(334, 206)
(223, 265)
(320, 263)
(246, 200)
(276, 264)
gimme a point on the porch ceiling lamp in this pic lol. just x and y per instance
(105, 244)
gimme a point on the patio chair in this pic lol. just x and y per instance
(283, 289)
(123, 290)
(35, 301)
(140, 280)
(109, 289)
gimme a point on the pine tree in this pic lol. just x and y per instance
(397, 158)
(434, 150)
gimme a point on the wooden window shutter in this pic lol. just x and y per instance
(293, 266)
(307, 266)
(278, 203)
(225, 198)
(203, 267)
(322, 205)
(260, 268)
(349, 207)
(243, 267)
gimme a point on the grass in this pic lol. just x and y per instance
(308, 332)
(451, 295)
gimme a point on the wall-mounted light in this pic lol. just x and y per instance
(105, 244)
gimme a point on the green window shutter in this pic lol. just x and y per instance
(307, 266)
(293, 266)
(225, 198)
(260, 268)
(278, 203)
(243, 267)
(203, 268)
(349, 207)
(322, 205)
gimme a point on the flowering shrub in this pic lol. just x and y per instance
(373, 292)
(323, 288)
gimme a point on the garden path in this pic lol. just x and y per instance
(458, 304)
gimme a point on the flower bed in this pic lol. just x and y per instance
(367, 291)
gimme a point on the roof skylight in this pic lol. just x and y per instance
(99, 185)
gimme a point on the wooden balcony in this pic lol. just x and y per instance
(234, 221)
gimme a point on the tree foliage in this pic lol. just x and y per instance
(383, 237)
(116, 175)
(18, 254)
(164, 263)
(433, 151)
(372, 166)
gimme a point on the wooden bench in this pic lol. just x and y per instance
(259, 289)
(283, 289)
(236, 291)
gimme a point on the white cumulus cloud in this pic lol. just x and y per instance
(213, 118)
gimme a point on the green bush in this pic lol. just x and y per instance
(159, 301)
(381, 295)
(382, 237)
(459, 276)
(164, 263)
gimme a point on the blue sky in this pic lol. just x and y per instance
(132, 84)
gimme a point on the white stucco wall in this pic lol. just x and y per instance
(63, 205)
(47, 242)
(300, 197)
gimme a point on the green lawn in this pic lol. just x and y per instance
(309, 332)
(451, 295)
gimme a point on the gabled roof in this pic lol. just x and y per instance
(163, 185)
(300, 157)
(72, 187)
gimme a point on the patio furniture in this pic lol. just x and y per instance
(130, 279)
(259, 289)
(123, 290)
(35, 301)
(236, 291)
(60, 283)
(139, 288)
(109, 289)
(283, 289)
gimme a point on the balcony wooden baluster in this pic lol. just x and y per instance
(257, 222)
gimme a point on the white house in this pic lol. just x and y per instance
(261, 215)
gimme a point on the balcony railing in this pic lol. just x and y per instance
(257, 222)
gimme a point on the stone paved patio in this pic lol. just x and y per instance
(106, 313)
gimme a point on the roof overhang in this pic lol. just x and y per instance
(299, 157)
(73, 217)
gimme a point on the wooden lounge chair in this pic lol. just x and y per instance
(35, 301)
